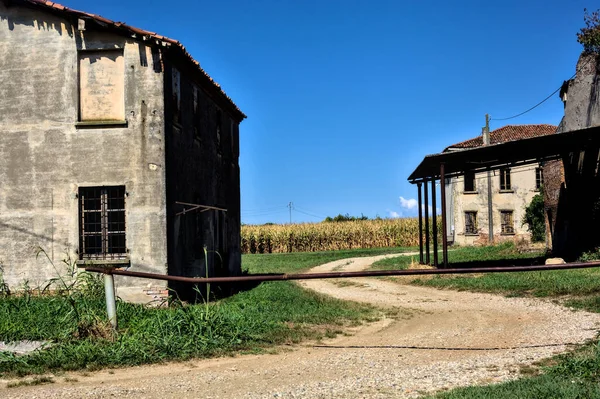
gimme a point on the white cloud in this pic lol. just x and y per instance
(394, 214)
(408, 203)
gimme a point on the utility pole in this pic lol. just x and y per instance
(487, 141)
(291, 205)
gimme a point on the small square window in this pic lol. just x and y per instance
(471, 223)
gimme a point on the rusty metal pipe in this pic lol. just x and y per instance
(371, 273)
(420, 224)
(444, 226)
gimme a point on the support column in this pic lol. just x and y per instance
(434, 224)
(420, 224)
(426, 195)
(444, 226)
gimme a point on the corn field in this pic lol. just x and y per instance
(310, 237)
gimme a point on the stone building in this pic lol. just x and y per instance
(116, 147)
(572, 197)
(512, 189)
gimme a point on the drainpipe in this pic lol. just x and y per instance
(486, 141)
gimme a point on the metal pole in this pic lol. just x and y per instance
(426, 194)
(420, 224)
(444, 226)
(434, 224)
(370, 273)
(111, 305)
(490, 210)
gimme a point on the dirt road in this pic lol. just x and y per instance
(436, 340)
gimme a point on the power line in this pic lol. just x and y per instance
(543, 101)
(530, 109)
(309, 214)
(316, 214)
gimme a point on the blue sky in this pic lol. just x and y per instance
(344, 98)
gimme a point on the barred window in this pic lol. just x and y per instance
(471, 223)
(505, 179)
(506, 218)
(102, 223)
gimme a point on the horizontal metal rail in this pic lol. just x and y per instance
(370, 273)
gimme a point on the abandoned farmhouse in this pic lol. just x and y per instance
(116, 148)
(512, 189)
(568, 157)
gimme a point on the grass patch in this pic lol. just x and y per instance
(296, 262)
(572, 375)
(31, 382)
(270, 314)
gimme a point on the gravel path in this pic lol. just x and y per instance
(436, 340)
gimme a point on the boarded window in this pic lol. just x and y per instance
(471, 223)
(507, 222)
(101, 86)
(469, 182)
(505, 179)
(102, 223)
(176, 91)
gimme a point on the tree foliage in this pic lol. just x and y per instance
(534, 218)
(589, 36)
(345, 218)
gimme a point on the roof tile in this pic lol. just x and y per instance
(506, 134)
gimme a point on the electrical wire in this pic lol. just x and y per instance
(306, 213)
(541, 102)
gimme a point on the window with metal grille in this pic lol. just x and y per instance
(506, 218)
(469, 182)
(539, 178)
(471, 223)
(102, 223)
(505, 179)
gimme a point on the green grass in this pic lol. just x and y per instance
(270, 314)
(463, 256)
(582, 282)
(573, 375)
(297, 262)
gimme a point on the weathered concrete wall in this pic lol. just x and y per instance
(521, 193)
(202, 168)
(45, 156)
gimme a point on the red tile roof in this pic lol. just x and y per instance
(506, 134)
(137, 33)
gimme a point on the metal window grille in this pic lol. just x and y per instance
(507, 222)
(469, 181)
(539, 178)
(505, 179)
(102, 222)
(471, 223)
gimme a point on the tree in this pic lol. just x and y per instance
(534, 218)
(589, 36)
